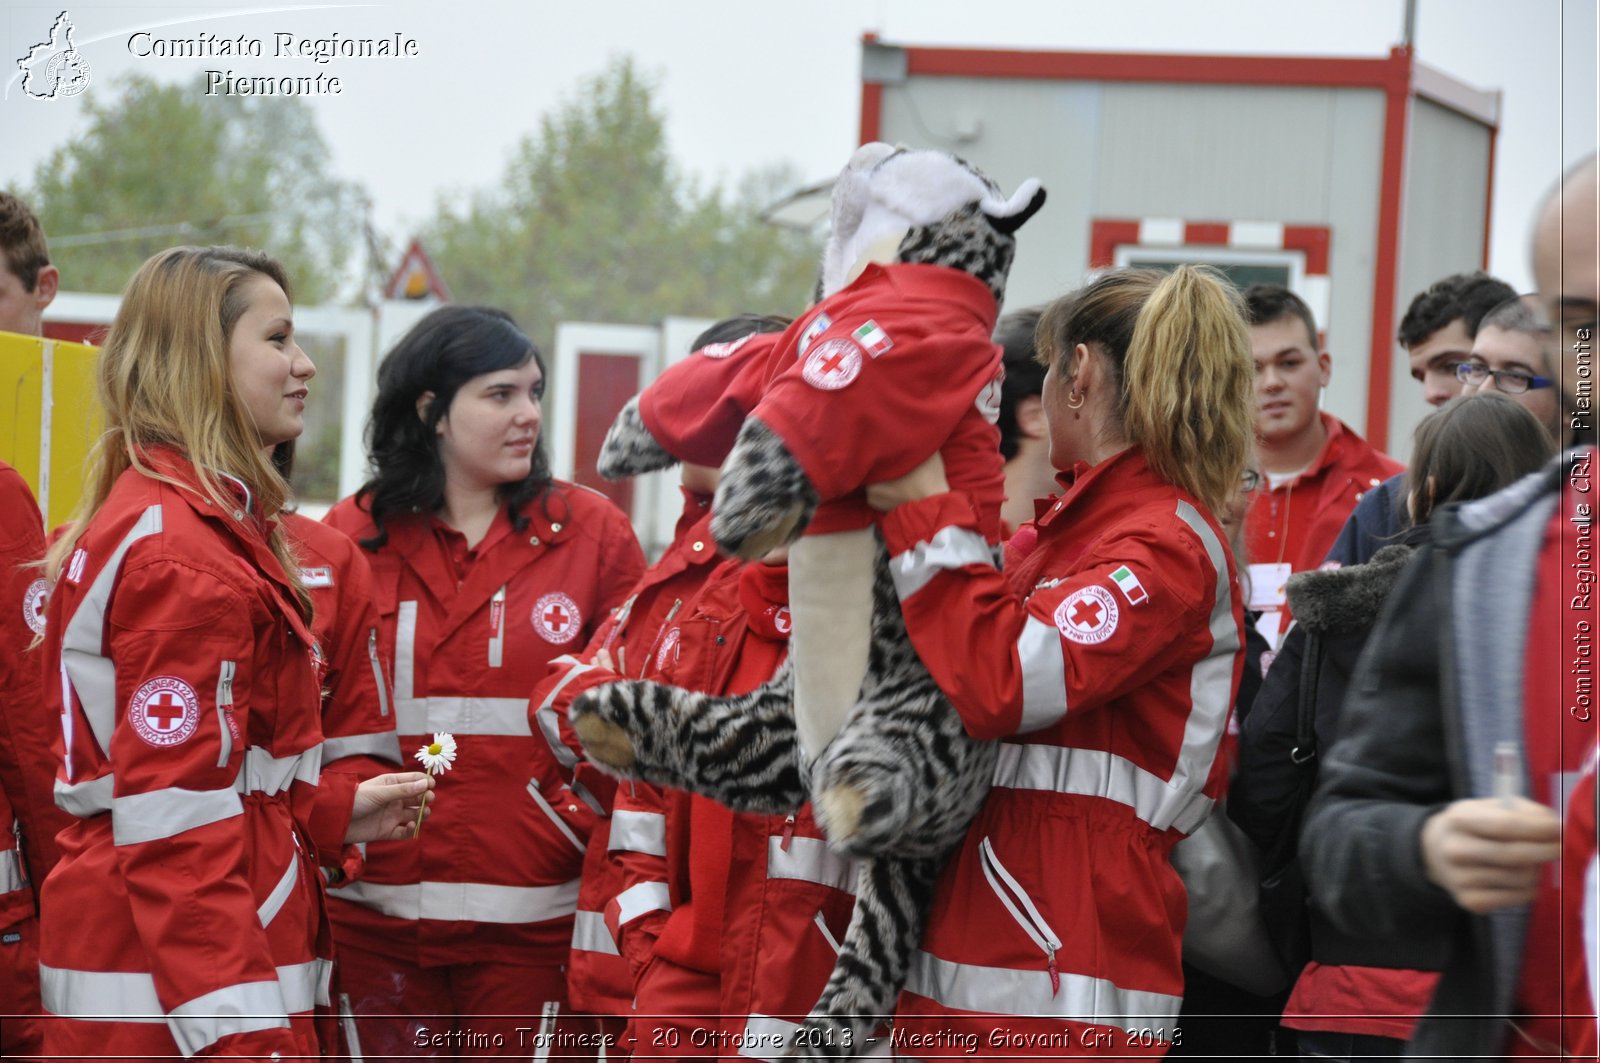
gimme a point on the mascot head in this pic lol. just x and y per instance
(898, 205)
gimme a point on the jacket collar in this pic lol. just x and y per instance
(920, 281)
(1086, 485)
(1347, 599)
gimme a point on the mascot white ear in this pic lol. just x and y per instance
(884, 191)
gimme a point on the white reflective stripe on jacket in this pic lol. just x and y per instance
(118, 996)
(465, 901)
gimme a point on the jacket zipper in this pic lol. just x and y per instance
(377, 673)
(827, 935)
(225, 709)
(1027, 916)
(561, 824)
(788, 832)
(497, 627)
(621, 620)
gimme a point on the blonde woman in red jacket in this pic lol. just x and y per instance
(187, 901)
(485, 570)
(1104, 660)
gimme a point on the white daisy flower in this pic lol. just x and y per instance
(437, 756)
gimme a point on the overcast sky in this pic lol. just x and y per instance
(745, 83)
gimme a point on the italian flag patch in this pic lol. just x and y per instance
(873, 338)
(1130, 586)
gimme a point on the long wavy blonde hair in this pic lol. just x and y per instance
(163, 378)
(1180, 348)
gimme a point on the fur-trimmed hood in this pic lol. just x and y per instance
(1346, 599)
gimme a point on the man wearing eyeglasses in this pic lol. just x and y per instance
(1510, 354)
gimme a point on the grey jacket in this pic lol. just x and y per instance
(1425, 710)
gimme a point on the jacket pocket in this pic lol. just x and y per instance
(549, 810)
(282, 891)
(1022, 909)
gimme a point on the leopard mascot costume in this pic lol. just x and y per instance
(893, 364)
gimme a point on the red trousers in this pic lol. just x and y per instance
(461, 1011)
(20, 1033)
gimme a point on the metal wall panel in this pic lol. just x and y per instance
(1013, 130)
(1196, 152)
(1441, 229)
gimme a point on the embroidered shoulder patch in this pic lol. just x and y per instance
(872, 337)
(33, 603)
(818, 326)
(164, 711)
(1087, 616)
(833, 365)
(1130, 586)
(556, 618)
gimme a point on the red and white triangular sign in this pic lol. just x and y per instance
(416, 277)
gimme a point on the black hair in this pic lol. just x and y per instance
(1024, 375)
(1266, 303)
(738, 327)
(443, 351)
(1463, 296)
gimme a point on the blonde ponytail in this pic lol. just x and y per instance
(1188, 384)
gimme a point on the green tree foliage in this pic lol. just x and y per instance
(161, 165)
(591, 221)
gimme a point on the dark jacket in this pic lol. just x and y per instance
(1378, 520)
(1427, 705)
(1334, 612)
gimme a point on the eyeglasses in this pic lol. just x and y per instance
(1250, 482)
(1510, 381)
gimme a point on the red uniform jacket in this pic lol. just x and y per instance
(1105, 661)
(759, 901)
(28, 731)
(598, 979)
(1298, 522)
(358, 736)
(186, 887)
(494, 877)
(902, 356)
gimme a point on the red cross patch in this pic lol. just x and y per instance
(164, 711)
(556, 618)
(1087, 616)
(833, 365)
(33, 603)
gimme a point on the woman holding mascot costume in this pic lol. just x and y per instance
(179, 631)
(1104, 659)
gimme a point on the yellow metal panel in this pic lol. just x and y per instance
(50, 458)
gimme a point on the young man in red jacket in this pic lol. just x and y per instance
(1317, 468)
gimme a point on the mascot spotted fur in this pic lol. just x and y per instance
(893, 364)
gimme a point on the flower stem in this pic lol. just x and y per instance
(416, 832)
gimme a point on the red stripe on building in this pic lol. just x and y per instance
(1213, 233)
(1385, 274)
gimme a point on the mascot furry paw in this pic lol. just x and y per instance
(893, 364)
